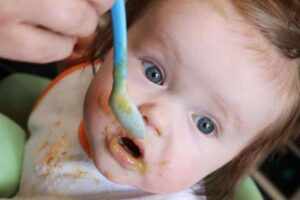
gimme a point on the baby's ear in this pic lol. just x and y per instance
(12, 142)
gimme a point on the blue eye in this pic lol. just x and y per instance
(205, 125)
(153, 73)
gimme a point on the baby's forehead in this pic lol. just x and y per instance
(160, 14)
(165, 13)
(159, 11)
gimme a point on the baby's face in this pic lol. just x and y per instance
(201, 92)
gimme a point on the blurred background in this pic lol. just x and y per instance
(8, 67)
(278, 177)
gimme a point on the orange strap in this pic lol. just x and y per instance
(83, 139)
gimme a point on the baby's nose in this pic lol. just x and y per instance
(151, 119)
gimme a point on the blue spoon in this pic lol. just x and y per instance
(123, 108)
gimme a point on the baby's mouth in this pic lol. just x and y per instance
(130, 147)
(127, 152)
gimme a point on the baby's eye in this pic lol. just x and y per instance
(152, 72)
(205, 125)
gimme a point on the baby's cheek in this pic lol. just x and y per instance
(161, 167)
(162, 178)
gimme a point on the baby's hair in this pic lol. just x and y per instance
(279, 22)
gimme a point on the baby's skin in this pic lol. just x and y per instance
(201, 88)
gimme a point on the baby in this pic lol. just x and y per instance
(217, 83)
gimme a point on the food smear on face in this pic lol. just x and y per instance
(106, 131)
(125, 158)
(103, 104)
(163, 162)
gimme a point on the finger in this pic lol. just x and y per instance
(31, 44)
(81, 47)
(68, 17)
(101, 5)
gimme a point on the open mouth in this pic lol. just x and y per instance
(127, 152)
(130, 147)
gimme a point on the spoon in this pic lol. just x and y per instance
(123, 108)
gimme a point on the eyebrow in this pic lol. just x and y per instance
(167, 43)
(223, 108)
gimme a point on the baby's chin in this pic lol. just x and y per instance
(118, 166)
(145, 183)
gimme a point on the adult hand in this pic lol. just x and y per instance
(43, 31)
